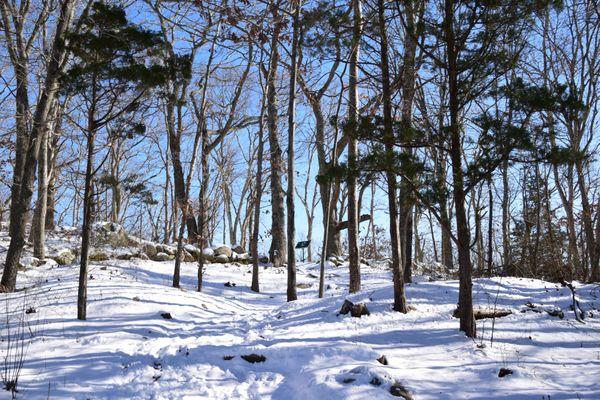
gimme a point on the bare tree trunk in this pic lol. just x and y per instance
(291, 171)
(465, 299)
(87, 220)
(506, 253)
(178, 176)
(409, 72)
(588, 225)
(50, 220)
(38, 225)
(353, 251)
(255, 287)
(399, 296)
(21, 203)
(372, 222)
(477, 213)
(52, 155)
(202, 218)
(490, 236)
(22, 142)
(166, 232)
(277, 251)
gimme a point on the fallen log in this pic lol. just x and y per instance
(486, 313)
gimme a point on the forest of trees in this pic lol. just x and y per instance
(470, 128)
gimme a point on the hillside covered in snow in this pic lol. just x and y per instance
(147, 340)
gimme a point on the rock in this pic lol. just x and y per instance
(530, 305)
(110, 234)
(166, 315)
(194, 251)
(375, 381)
(383, 360)
(163, 248)
(64, 257)
(29, 262)
(356, 310)
(556, 312)
(126, 256)
(238, 249)
(244, 258)
(208, 259)
(142, 256)
(162, 257)
(336, 261)
(208, 255)
(30, 310)
(263, 259)
(348, 380)
(227, 358)
(223, 250)
(230, 284)
(149, 249)
(254, 358)
(360, 309)
(187, 257)
(398, 390)
(504, 372)
(221, 259)
(346, 307)
(304, 285)
(98, 255)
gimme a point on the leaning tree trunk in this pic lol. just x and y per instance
(21, 125)
(23, 200)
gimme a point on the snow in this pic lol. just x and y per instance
(127, 350)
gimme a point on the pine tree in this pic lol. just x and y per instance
(114, 67)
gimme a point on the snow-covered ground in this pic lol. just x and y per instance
(127, 350)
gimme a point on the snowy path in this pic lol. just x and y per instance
(126, 350)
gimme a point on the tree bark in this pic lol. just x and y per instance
(277, 251)
(588, 225)
(87, 219)
(23, 200)
(388, 123)
(353, 251)
(406, 200)
(291, 171)
(465, 299)
(255, 286)
(38, 224)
